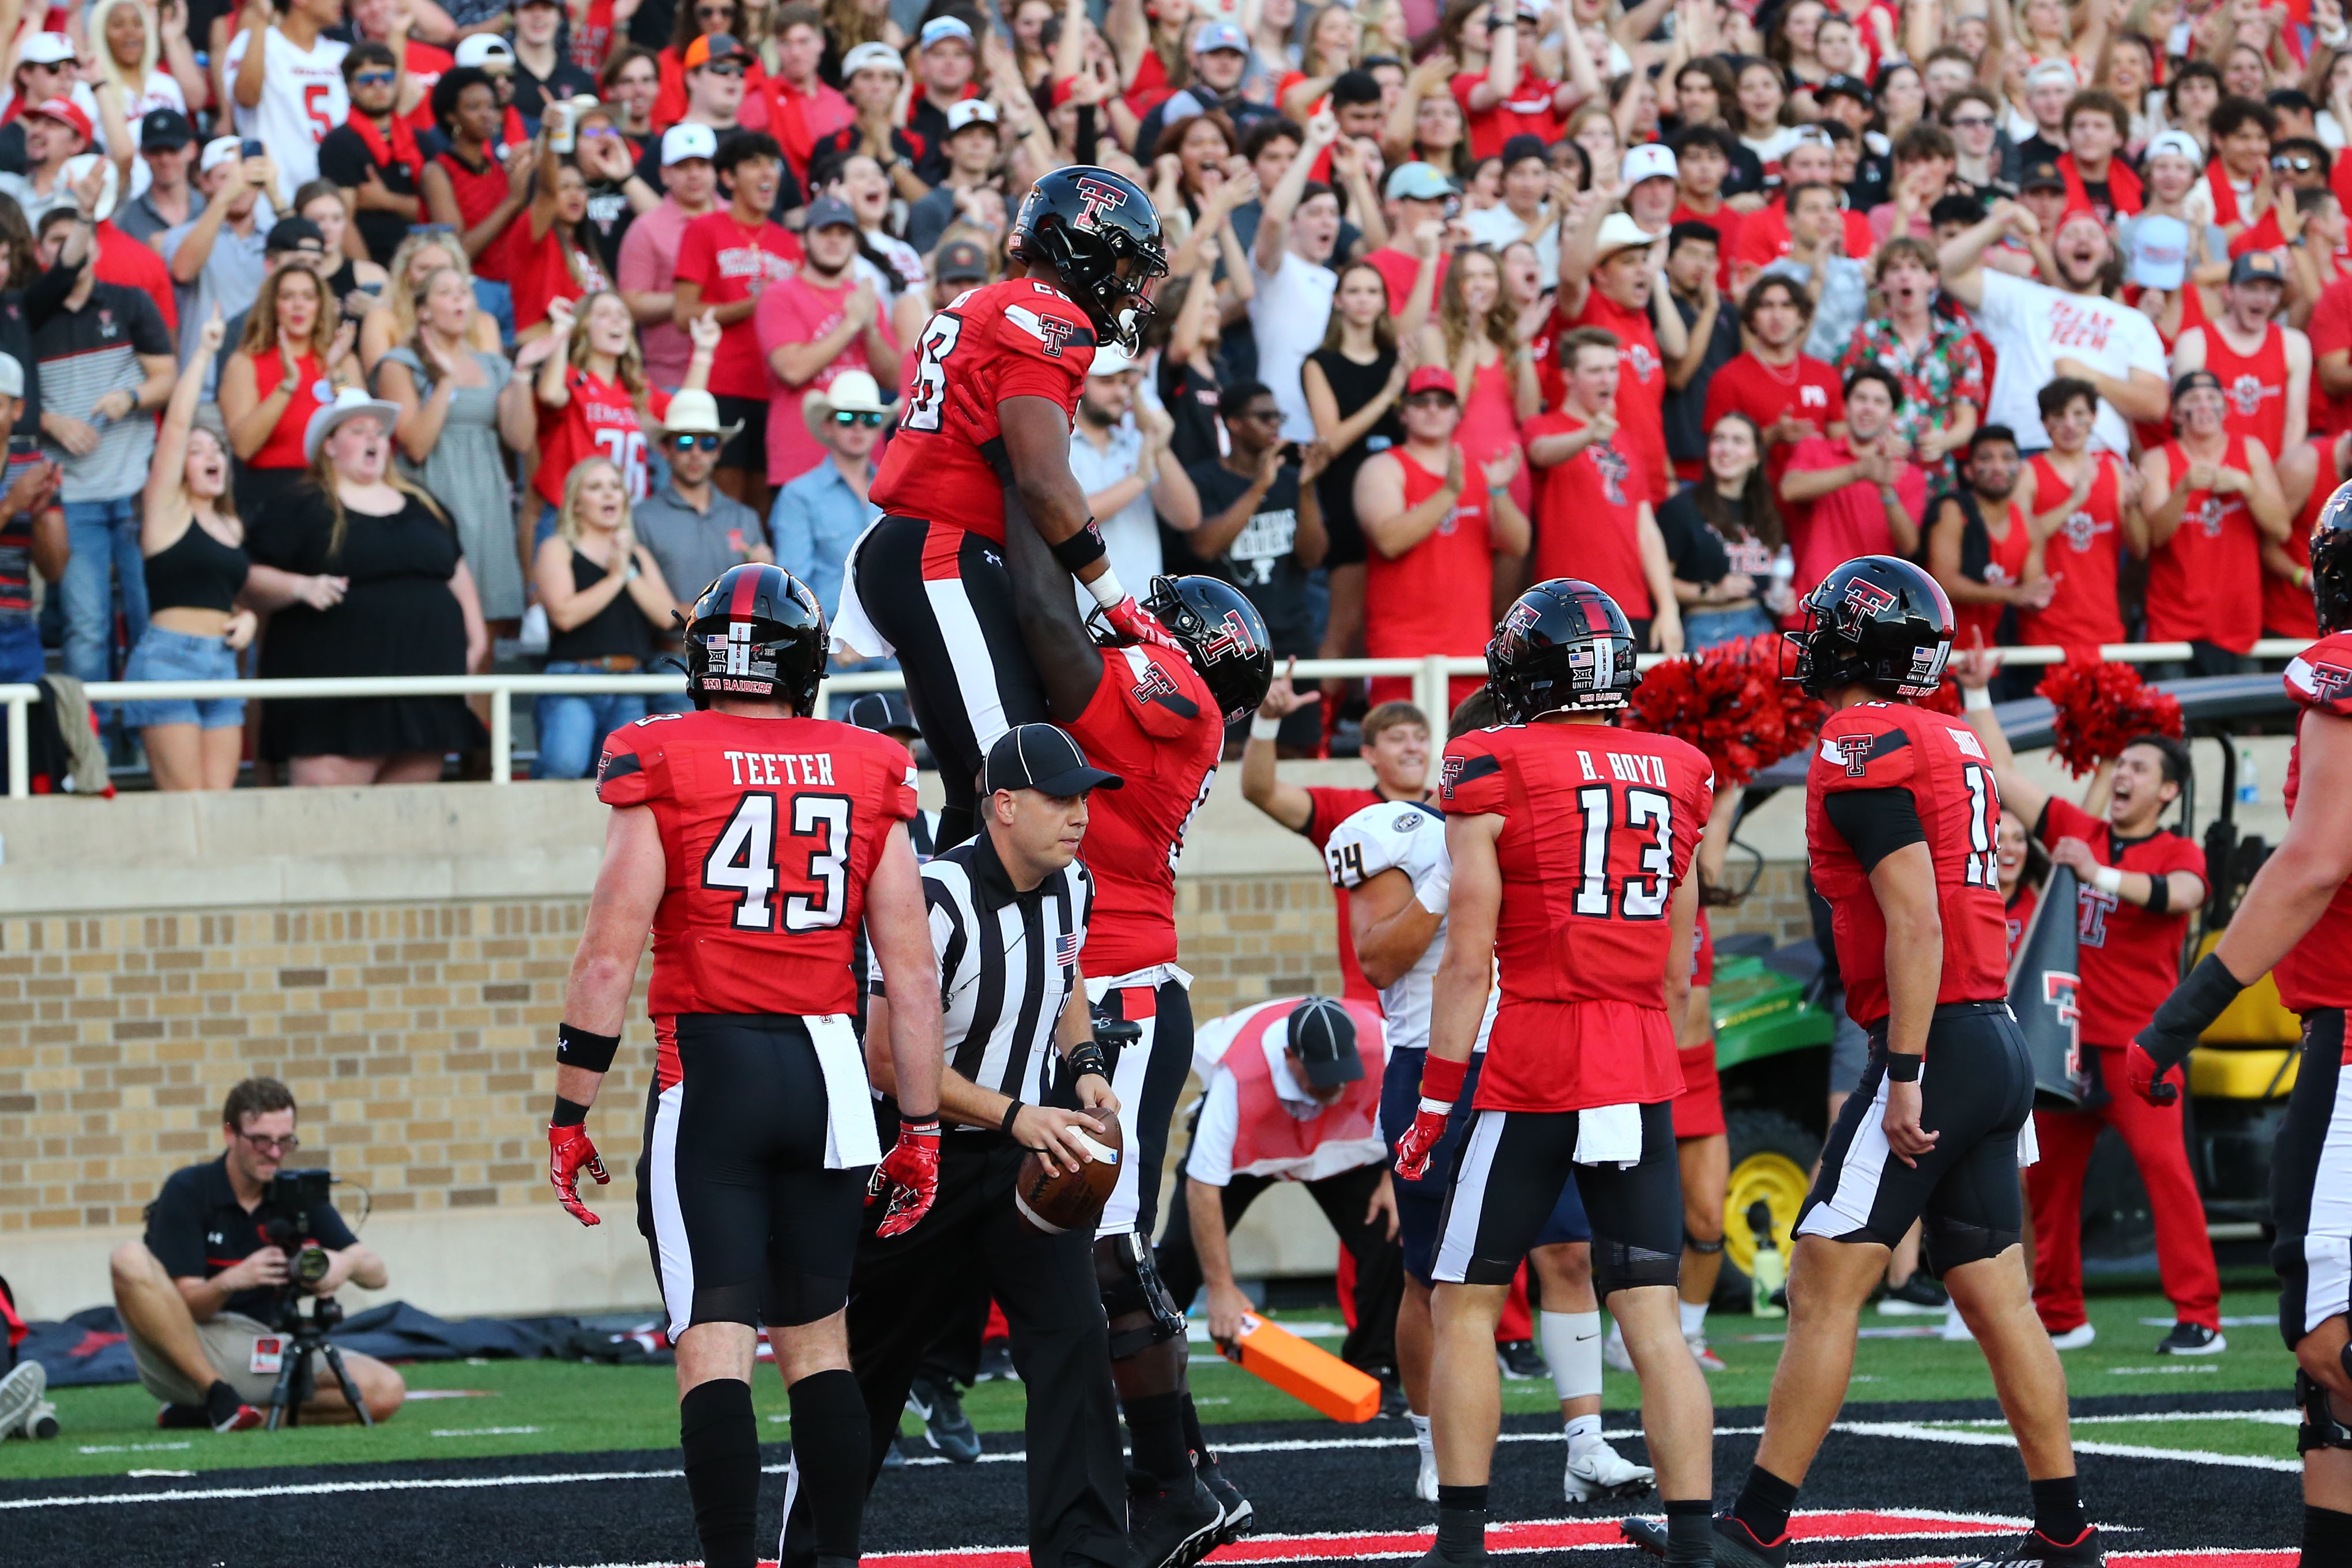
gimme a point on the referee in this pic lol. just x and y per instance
(1008, 914)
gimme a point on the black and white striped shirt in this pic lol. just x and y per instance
(1008, 963)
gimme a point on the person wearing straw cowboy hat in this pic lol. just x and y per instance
(693, 529)
(819, 514)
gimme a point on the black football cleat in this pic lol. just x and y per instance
(1519, 1361)
(1171, 1527)
(1735, 1545)
(946, 1429)
(1240, 1518)
(2038, 1551)
(2191, 1339)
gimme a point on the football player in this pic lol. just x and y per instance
(2295, 921)
(995, 384)
(1390, 863)
(1155, 712)
(752, 840)
(1902, 826)
(1571, 845)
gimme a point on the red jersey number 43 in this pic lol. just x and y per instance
(748, 860)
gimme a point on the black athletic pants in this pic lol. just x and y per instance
(1075, 1468)
(1370, 1345)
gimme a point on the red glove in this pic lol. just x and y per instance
(909, 1172)
(569, 1153)
(2151, 1083)
(1133, 622)
(1415, 1149)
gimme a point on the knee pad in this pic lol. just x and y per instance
(1131, 1284)
(1946, 1244)
(1617, 1265)
(2322, 1428)
(1696, 1245)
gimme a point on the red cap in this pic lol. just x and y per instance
(1062, 88)
(66, 112)
(1430, 377)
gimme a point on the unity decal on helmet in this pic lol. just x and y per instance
(1098, 198)
(1589, 664)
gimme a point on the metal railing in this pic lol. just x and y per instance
(1429, 676)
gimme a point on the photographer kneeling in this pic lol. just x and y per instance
(205, 1297)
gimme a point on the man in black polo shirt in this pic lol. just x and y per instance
(200, 1294)
(375, 156)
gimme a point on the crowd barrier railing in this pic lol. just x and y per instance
(1429, 675)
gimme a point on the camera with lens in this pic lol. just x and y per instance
(286, 1220)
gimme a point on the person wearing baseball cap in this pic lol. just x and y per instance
(1221, 59)
(960, 261)
(1414, 194)
(167, 145)
(2205, 578)
(223, 253)
(1604, 282)
(872, 75)
(1527, 184)
(647, 264)
(2050, 86)
(56, 130)
(972, 149)
(820, 323)
(1648, 176)
(543, 74)
(943, 81)
(2266, 367)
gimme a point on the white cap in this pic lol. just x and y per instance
(47, 49)
(2159, 251)
(963, 111)
(220, 150)
(1109, 361)
(854, 392)
(350, 403)
(939, 28)
(1620, 232)
(481, 48)
(12, 377)
(1650, 161)
(871, 57)
(2179, 144)
(2050, 71)
(682, 142)
(76, 170)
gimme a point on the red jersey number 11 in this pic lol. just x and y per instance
(1984, 827)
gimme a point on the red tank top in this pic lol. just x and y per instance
(2155, 433)
(2286, 608)
(1437, 597)
(2204, 583)
(2081, 556)
(2006, 566)
(1587, 518)
(2253, 386)
(284, 447)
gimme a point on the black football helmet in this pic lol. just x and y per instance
(1100, 231)
(756, 631)
(1875, 622)
(2331, 562)
(1562, 647)
(1224, 635)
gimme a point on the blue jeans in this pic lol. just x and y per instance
(1704, 629)
(571, 730)
(105, 539)
(175, 656)
(20, 653)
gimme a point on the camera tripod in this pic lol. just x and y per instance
(296, 1379)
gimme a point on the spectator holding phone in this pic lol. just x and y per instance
(219, 258)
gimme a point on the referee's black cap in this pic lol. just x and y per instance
(884, 713)
(1042, 757)
(1323, 1038)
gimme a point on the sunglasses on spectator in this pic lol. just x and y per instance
(846, 417)
(373, 79)
(707, 442)
(593, 130)
(1972, 123)
(2295, 162)
(265, 1143)
(1430, 400)
(725, 68)
(1263, 415)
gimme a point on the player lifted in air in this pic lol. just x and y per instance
(1155, 712)
(1901, 824)
(996, 381)
(1571, 844)
(2295, 921)
(753, 841)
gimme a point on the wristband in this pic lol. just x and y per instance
(577, 1047)
(2159, 893)
(1437, 1107)
(1106, 588)
(1442, 1080)
(1088, 1058)
(1975, 699)
(568, 1114)
(1010, 1111)
(1904, 1067)
(2108, 880)
(1264, 728)
(1434, 888)
(1082, 549)
(929, 1127)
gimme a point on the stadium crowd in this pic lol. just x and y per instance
(534, 317)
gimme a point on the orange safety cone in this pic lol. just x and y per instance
(1313, 1376)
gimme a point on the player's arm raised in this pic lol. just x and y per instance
(1068, 663)
(1464, 978)
(596, 994)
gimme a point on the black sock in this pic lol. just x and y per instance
(1155, 1426)
(221, 1401)
(2058, 1509)
(1764, 1504)
(1193, 1438)
(2327, 1537)
(1690, 1529)
(1460, 1523)
(831, 1445)
(720, 1435)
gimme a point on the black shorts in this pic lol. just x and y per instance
(748, 448)
(746, 1224)
(1507, 1180)
(1421, 1205)
(1976, 1089)
(2311, 1184)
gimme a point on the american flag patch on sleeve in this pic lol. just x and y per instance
(1065, 950)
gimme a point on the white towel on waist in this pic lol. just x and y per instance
(853, 630)
(849, 1138)
(1606, 1133)
(2029, 1148)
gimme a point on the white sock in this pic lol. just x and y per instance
(1420, 1436)
(1582, 1431)
(1571, 1344)
(1694, 1319)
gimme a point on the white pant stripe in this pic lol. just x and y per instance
(1459, 1243)
(1847, 1207)
(968, 655)
(669, 1220)
(2327, 1237)
(1119, 1212)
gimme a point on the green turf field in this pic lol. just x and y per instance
(545, 1406)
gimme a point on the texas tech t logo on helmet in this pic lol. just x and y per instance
(1875, 622)
(1095, 197)
(1230, 640)
(1868, 598)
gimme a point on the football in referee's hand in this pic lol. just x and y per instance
(1053, 1198)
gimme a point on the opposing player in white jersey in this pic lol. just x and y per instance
(295, 94)
(1389, 858)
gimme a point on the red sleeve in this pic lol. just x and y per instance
(2321, 675)
(1044, 346)
(894, 782)
(698, 256)
(1461, 85)
(632, 771)
(1862, 747)
(1720, 391)
(2330, 327)
(2063, 819)
(1471, 782)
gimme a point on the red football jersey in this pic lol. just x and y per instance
(770, 829)
(1599, 826)
(1894, 746)
(2129, 958)
(600, 421)
(1153, 723)
(1332, 807)
(1014, 339)
(2317, 971)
